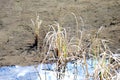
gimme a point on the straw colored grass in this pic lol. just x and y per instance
(37, 24)
(80, 46)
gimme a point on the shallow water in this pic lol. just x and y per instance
(73, 71)
(43, 72)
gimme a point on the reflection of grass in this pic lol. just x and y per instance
(82, 46)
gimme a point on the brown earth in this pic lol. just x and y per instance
(16, 29)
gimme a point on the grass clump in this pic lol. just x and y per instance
(58, 43)
(37, 24)
(82, 46)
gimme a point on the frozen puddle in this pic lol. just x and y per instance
(44, 72)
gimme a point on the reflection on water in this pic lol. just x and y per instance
(74, 71)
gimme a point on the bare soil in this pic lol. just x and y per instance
(16, 29)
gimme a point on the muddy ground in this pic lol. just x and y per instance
(16, 29)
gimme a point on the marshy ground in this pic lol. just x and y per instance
(16, 29)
